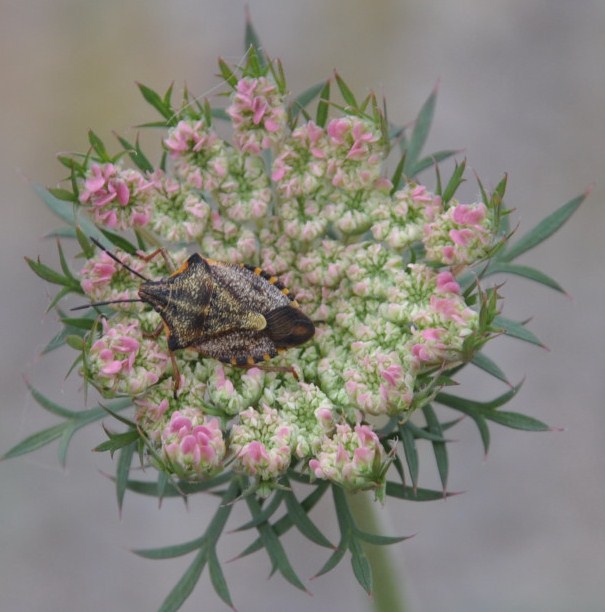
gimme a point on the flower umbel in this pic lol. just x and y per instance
(321, 252)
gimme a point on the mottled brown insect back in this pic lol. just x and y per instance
(235, 313)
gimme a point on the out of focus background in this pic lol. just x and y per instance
(522, 91)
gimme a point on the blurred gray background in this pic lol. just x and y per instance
(522, 90)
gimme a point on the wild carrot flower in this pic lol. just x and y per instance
(353, 458)
(384, 267)
(192, 444)
(461, 235)
(122, 361)
(257, 114)
(118, 198)
(262, 444)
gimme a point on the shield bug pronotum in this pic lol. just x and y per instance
(235, 313)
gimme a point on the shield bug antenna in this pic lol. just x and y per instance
(126, 267)
(235, 313)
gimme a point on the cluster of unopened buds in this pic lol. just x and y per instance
(311, 204)
(278, 307)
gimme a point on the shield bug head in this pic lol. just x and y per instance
(235, 313)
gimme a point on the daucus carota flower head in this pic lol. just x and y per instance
(262, 443)
(179, 214)
(118, 198)
(310, 411)
(198, 154)
(192, 444)
(103, 278)
(462, 234)
(257, 113)
(353, 457)
(295, 203)
(123, 361)
(309, 202)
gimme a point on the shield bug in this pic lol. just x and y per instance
(235, 313)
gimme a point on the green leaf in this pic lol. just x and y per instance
(482, 361)
(334, 559)
(439, 447)
(379, 540)
(285, 523)
(219, 113)
(67, 212)
(423, 433)
(63, 194)
(431, 160)
(396, 489)
(482, 411)
(59, 340)
(345, 524)
(303, 522)
(35, 441)
(252, 41)
(466, 405)
(136, 154)
(85, 245)
(171, 552)
(543, 230)
(84, 418)
(361, 566)
(76, 342)
(420, 133)
(123, 470)
(183, 489)
(514, 329)
(503, 267)
(117, 441)
(305, 98)
(63, 263)
(454, 182)
(97, 144)
(186, 584)
(120, 242)
(227, 74)
(48, 274)
(266, 513)
(411, 454)
(168, 96)
(514, 420)
(481, 424)
(274, 548)
(345, 92)
(155, 100)
(218, 578)
(323, 106)
(397, 178)
(49, 405)
(83, 323)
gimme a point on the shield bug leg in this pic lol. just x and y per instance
(176, 375)
(155, 333)
(270, 368)
(234, 313)
(160, 251)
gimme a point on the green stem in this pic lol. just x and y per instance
(389, 589)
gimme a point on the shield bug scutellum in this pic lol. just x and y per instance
(235, 313)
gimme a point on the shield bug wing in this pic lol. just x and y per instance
(235, 313)
(183, 300)
(288, 326)
(239, 348)
(259, 298)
